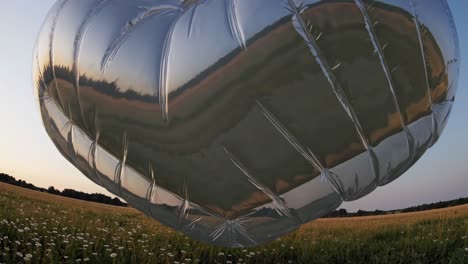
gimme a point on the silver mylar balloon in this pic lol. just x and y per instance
(236, 121)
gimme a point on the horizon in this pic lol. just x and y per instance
(27, 153)
(54, 191)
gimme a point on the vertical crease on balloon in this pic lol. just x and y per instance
(280, 206)
(67, 114)
(163, 85)
(305, 152)
(445, 118)
(186, 205)
(70, 139)
(164, 68)
(42, 84)
(120, 169)
(183, 210)
(80, 36)
(60, 8)
(234, 25)
(96, 141)
(192, 19)
(95, 153)
(195, 4)
(418, 25)
(450, 87)
(456, 46)
(301, 28)
(150, 193)
(125, 31)
(383, 62)
(192, 224)
(456, 40)
(89, 160)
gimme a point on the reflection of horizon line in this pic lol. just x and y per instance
(285, 20)
(130, 93)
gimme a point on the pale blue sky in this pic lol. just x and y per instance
(27, 153)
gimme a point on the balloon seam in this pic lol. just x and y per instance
(418, 25)
(164, 70)
(234, 26)
(278, 202)
(383, 62)
(125, 32)
(305, 152)
(80, 36)
(60, 8)
(301, 28)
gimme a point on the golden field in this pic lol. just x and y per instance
(38, 227)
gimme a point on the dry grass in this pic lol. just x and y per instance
(372, 222)
(65, 201)
(43, 228)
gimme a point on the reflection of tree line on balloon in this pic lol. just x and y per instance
(111, 88)
(405, 47)
(105, 87)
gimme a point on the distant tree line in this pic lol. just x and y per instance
(94, 197)
(424, 207)
(101, 198)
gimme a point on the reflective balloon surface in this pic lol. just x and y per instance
(236, 121)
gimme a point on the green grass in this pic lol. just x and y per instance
(55, 229)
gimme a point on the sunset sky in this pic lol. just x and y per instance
(27, 153)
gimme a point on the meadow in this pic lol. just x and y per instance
(38, 227)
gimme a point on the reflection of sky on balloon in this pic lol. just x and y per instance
(27, 153)
(439, 26)
(187, 62)
(216, 44)
(188, 66)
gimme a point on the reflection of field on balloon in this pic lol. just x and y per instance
(274, 72)
(42, 228)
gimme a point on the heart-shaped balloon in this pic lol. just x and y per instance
(236, 121)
